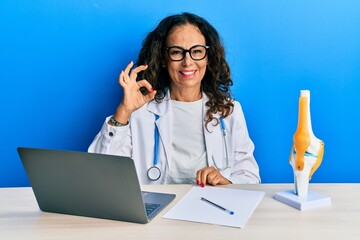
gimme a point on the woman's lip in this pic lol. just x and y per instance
(188, 72)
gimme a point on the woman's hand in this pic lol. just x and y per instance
(133, 98)
(210, 175)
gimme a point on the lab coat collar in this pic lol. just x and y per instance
(162, 108)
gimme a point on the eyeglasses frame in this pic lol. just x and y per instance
(184, 51)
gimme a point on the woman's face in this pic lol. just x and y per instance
(187, 73)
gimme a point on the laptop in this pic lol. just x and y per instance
(90, 185)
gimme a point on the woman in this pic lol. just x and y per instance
(178, 120)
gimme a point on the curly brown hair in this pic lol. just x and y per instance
(216, 82)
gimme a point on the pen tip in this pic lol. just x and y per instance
(231, 213)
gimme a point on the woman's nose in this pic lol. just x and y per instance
(187, 59)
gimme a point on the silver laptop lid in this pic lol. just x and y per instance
(86, 184)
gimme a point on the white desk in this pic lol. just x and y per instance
(20, 218)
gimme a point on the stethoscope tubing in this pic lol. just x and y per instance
(223, 129)
(156, 144)
(154, 172)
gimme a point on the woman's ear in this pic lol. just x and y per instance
(163, 63)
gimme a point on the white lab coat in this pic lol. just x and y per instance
(136, 140)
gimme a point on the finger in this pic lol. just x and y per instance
(204, 175)
(211, 176)
(128, 68)
(121, 78)
(214, 179)
(150, 96)
(218, 179)
(136, 70)
(144, 83)
(198, 176)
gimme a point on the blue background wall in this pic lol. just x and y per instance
(59, 62)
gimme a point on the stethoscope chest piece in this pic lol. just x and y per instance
(154, 173)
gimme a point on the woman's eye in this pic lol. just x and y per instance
(197, 51)
(175, 52)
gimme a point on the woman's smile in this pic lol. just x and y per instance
(187, 73)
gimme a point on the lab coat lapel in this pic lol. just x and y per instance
(212, 134)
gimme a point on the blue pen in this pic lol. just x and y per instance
(217, 206)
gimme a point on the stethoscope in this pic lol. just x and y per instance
(223, 129)
(154, 172)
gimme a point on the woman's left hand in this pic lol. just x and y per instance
(210, 175)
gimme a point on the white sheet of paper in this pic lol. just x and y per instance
(192, 208)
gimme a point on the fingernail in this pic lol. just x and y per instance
(151, 90)
(202, 185)
(145, 65)
(197, 182)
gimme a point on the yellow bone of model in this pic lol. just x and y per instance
(302, 136)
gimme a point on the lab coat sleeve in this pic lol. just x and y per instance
(112, 140)
(245, 168)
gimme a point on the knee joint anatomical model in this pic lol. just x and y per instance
(307, 150)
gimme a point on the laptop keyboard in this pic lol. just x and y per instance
(150, 207)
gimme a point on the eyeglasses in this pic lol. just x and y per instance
(197, 52)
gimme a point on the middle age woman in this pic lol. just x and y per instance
(177, 119)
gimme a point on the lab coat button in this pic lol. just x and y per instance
(111, 134)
